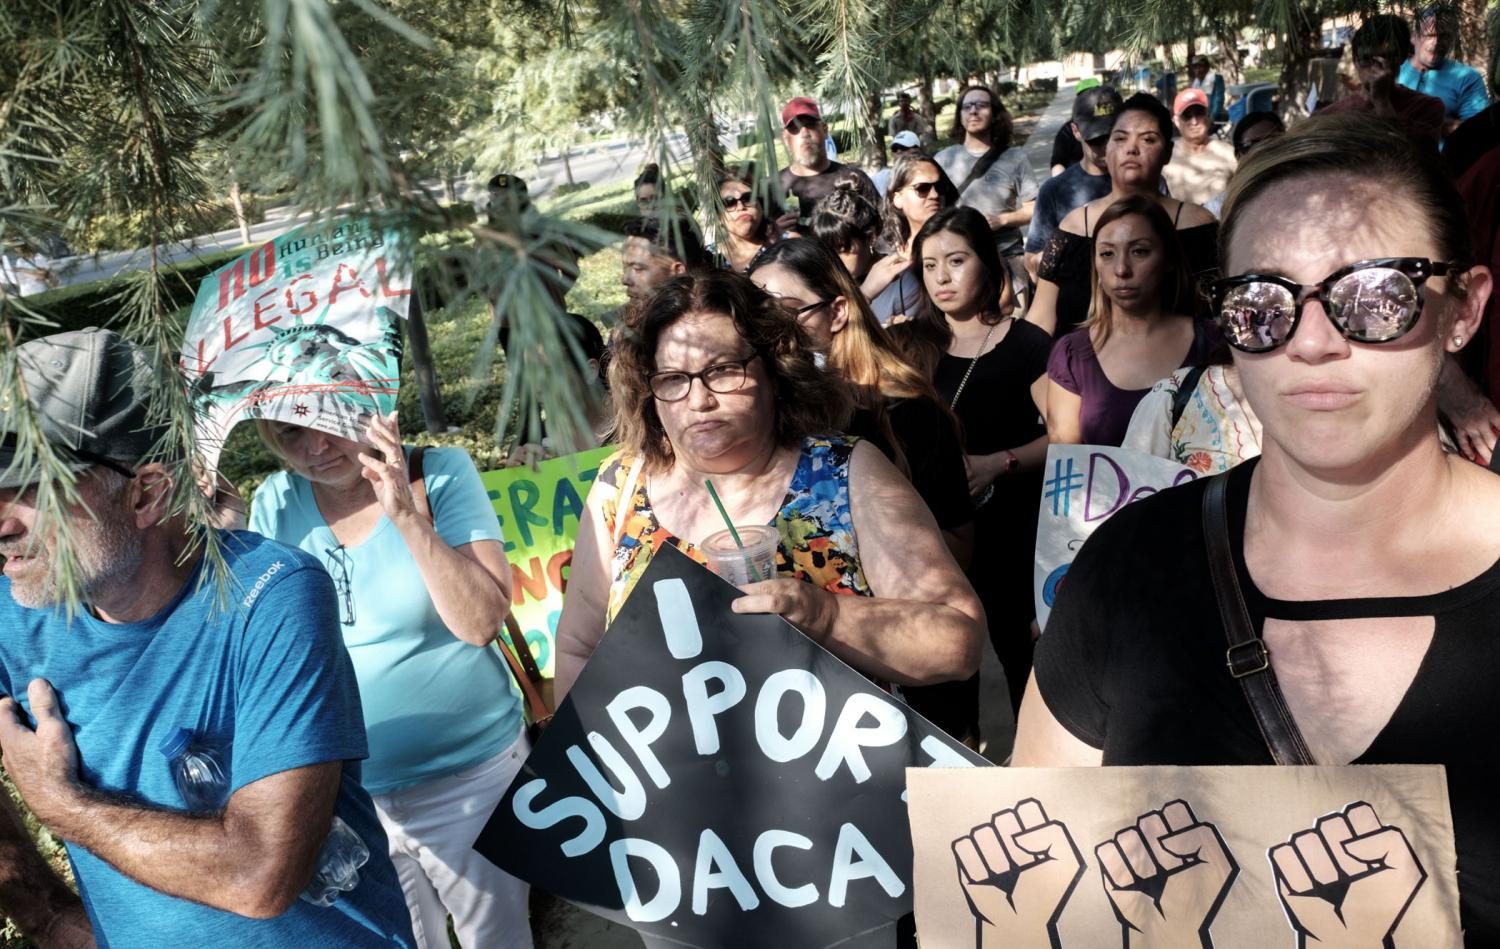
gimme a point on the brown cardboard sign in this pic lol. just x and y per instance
(1183, 857)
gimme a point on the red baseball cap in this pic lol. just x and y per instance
(801, 105)
(1188, 98)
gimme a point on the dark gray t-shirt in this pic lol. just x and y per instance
(1005, 186)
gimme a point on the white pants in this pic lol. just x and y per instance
(432, 828)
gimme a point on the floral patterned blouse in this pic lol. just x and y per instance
(816, 527)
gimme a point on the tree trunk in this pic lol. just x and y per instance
(450, 186)
(1473, 38)
(567, 165)
(873, 150)
(1229, 64)
(924, 99)
(240, 218)
(420, 350)
(1296, 58)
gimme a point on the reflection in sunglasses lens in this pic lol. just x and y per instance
(1374, 304)
(1257, 316)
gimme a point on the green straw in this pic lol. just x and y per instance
(750, 565)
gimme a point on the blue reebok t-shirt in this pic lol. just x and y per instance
(264, 681)
(434, 705)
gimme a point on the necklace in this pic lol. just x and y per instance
(972, 363)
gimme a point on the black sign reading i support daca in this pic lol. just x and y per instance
(720, 780)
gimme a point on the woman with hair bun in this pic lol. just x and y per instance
(849, 225)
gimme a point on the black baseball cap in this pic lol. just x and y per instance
(88, 391)
(1094, 111)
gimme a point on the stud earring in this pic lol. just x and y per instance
(1458, 340)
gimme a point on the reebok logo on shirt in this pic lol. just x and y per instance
(260, 583)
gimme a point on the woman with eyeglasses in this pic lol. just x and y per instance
(1140, 327)
(423, 587)
(1367, 559)
(896, 408)
(991, 370)
(1140, 145)
(919, 189)
(746, 224)
(717, 384)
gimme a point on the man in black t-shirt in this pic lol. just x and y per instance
(812, 174)
(1093, 116)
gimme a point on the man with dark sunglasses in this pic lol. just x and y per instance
(93, 701)
(811, 175)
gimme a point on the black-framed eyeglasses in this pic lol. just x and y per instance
(1371, 301)
(798, 312)
(337, 561)
(673, 385)
(975, 105)
(747, 199)
(803, 122)
(922, 188)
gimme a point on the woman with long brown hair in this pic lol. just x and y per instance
(919, 189)
(1140, 327)
(897, 409)
(991, 369)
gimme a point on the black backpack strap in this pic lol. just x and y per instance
(985, 162)
(1184, 393)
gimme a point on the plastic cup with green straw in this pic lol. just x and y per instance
(749, 564)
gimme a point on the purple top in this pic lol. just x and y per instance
(1106, 407)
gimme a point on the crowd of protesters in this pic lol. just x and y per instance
(874, 369)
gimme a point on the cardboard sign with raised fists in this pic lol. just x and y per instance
(1055, 858)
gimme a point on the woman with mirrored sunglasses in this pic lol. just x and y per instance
(747, 217)
(919, 189)
(1140, 145)
(716, 383)
(1367, 559)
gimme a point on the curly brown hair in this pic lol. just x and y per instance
(809, 400)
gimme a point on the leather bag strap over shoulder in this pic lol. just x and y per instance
(1247, 657)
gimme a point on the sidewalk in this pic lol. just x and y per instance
(1039, 145)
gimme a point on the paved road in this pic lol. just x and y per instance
(600, 165)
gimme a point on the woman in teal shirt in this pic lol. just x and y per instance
(420, 598)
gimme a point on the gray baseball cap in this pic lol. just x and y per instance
(88, 389)
(1094, 111)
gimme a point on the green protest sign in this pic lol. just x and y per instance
(539, 509)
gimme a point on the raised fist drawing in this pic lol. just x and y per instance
(1167, 875)
(1018, 872)
(1347, 882)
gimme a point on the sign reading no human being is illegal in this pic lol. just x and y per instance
(720, 780)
